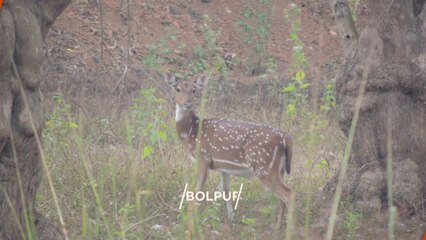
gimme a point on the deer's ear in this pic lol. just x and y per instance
(201, 82)
(170, 79)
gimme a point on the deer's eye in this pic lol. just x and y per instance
(178, 89)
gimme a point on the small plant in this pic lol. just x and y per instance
(272, 66)
(256, 28)
(148, 113)
(328, 100)
(200, 64)
(351, 224)
(211, 215)
(153, 59)
(60, 123)
(297, 88)
(249, 221)
(124, 212)
(297, 93)
(207, 54)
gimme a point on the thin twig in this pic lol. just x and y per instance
(348, 150)
(101, 22)
(129, 17)
(164, 202)
(121, 78)
(39, 146)
(129, 20)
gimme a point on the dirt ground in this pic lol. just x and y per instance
(74, 41)
(84, 61)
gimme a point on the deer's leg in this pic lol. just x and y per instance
(202, 176)
(280, 216)
(226, 180)
(203, 168)
(276, 185)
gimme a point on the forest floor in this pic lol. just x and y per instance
(118, 166)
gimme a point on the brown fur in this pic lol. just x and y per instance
(232, 147)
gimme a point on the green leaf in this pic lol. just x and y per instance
(291, 109)
(265, 210)
(153, 137)
(300, 76)
(323, 162)
(57, 98)
(162, 135)
(147, 150)
(262, 31)
(304, 86)
(293, 36)
(72, 125)
(249, 221)
(290, 88)
(247, 13)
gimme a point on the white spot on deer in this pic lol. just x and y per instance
(250, 143)
(184, 136)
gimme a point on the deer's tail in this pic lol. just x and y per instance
(287, 142)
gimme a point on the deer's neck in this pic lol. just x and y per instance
(186, 124)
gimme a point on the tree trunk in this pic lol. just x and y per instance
(23, 27)
(393, 49)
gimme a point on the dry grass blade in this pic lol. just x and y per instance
(348, 149)
(42, 156)
(392, 209)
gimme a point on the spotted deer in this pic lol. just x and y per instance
(232, 147)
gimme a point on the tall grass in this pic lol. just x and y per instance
(29, 220)
(348, 149)
(122, 176)
(123, 179)
(389, 177)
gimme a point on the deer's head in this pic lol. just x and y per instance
(185, 90)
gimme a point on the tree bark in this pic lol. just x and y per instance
(392, 45)
(23, 27)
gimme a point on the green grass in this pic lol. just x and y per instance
(122, 178)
